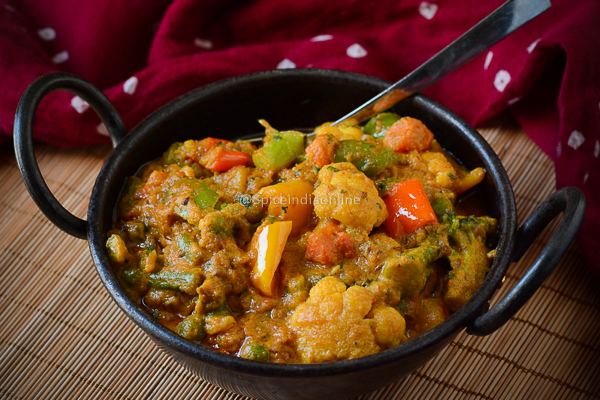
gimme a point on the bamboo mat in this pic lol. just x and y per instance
(61, 336)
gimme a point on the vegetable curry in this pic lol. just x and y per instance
(297, 253)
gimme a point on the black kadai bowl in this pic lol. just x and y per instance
(291, 99)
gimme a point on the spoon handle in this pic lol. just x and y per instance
(505, 20)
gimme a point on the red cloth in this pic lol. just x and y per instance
(546, 73)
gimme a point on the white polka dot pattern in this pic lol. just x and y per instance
(47, 33)
(79, 104)
(203, 43)
(356, 51)
(101, 129)
(597, 149)
(559, 149)
(130, 85)
(532, 45)
(60, 57)
(321, 38)
(428, 10)
(488, 60)
(502, 80)
(286, 64)
(576, 139)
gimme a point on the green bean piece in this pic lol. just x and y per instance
(185, 282)
(192, 327)
(383, 120)
(220, 312)
(369, 158)
(279, 151)
(136, 231)
(136, 278)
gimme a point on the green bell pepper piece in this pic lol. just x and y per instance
(387, 120)
(369, 158)
(204, 196)
(279, 151)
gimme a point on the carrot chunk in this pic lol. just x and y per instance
(321, 151)
(329, 245)
(407, 134)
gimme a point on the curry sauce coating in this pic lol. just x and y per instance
(343, 289)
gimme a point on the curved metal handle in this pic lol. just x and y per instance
(23, 141)
(572, 201)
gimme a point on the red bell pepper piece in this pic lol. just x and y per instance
(408, 207)
(225, 160)
(210, 142)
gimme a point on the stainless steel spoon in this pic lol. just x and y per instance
(499, 24)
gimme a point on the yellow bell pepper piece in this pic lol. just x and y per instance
(269, 248)
(290, 201)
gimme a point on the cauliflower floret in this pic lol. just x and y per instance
(330, 324)
(440, 167)
(341, 132)
(388, 326)
(348, 196)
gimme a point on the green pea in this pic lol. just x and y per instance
(192, 327)
(255, 351)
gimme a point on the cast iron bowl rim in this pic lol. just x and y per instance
(476, 305)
